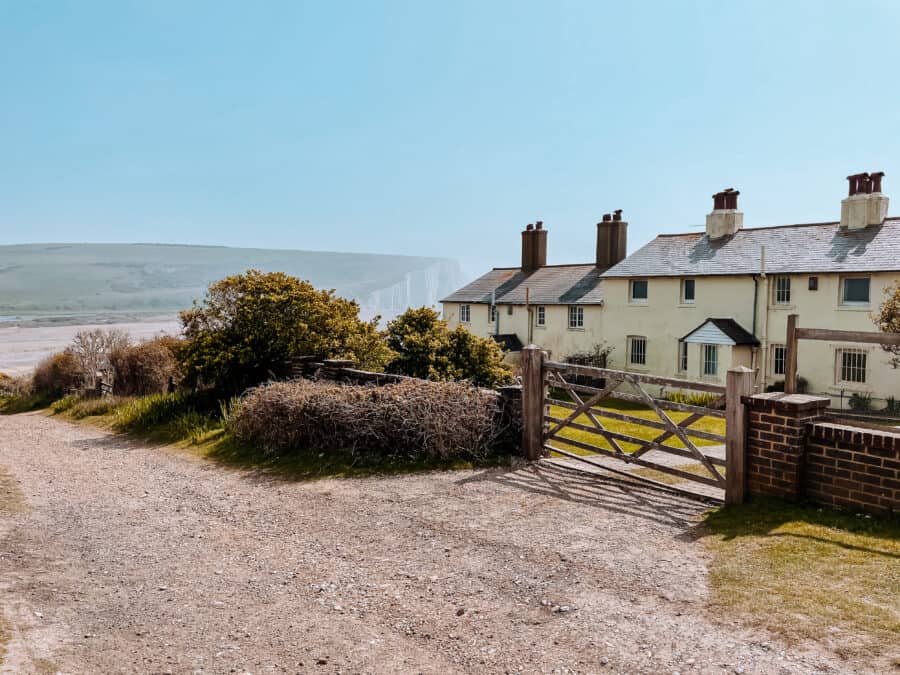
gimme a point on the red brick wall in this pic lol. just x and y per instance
(853, 467)
(794, 452)
(775, 442)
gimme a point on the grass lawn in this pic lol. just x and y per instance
(710, 424)
(808, 572)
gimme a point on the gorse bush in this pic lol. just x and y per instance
(145, 368)
(251, 325)
(57, 375)
(411, 419)
(426, 348)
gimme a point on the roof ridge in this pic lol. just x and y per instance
(769, 227)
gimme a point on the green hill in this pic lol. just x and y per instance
(70, 281)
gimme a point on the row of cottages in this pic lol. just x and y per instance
(694, 305)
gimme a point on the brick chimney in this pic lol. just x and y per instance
(612, 237)
(725, 219)
(865, 204)
(534, 247)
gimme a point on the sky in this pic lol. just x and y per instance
(434, 128)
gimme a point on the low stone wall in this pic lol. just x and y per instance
(794, 452)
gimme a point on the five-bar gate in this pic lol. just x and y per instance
(657, 436)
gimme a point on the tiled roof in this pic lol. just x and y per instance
(731, 328)
(552, 285)
(819, 247)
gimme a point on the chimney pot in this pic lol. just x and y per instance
(876, 181)
(607, 217)
(539, 225)
(529, 227)
(617, 215)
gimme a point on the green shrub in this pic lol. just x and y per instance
(145, 368)
(412, 419)
(426, 348)
(892, 406)
(802, 385)
(58, 375)
(861, 402)
(251, 325)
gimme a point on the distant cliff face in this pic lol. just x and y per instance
(78, 280)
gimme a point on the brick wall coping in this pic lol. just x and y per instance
(845, 433)
(778, 400)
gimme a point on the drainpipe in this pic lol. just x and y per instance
(528, 315)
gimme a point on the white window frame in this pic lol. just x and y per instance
(465, 314)
(683, 362)
(859, 365)
(638, 301)
(854, 303)
(540, 316)
(639, 341)
(705, 361)
(782, 361)
(576, 317)
(684, 299)
(781, 291)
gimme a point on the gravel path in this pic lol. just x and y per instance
(136, 559)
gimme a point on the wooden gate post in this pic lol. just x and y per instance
(532, 402)
(738, 384)
(790, 357)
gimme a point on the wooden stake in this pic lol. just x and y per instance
(738, 384)
(790, 366)
(532, 402)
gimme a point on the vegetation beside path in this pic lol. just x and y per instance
(808, 572)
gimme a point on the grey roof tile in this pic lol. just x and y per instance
(731, 328)
(819, 247)
(552, 285)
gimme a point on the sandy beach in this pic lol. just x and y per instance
(23, 347)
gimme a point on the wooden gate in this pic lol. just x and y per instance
(622, 423)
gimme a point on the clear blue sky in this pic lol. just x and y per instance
(434, 128)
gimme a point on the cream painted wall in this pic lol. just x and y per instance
(555, 337)
(663, 319)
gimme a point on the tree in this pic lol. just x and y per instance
(425, 347)
(888, 319)
(250, 325)
(92, 349)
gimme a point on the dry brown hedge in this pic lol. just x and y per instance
(58, 374)
(145, 368)
(414, 418)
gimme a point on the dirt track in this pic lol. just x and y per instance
(134, 559)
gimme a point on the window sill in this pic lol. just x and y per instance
(775, 306)
(637, 368)
(687, 304)
(544, 327)
(637, 303)
(854, 308)
(576, 330)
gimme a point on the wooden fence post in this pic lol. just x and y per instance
(790, 358)
(532, 402)
(738, 384)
